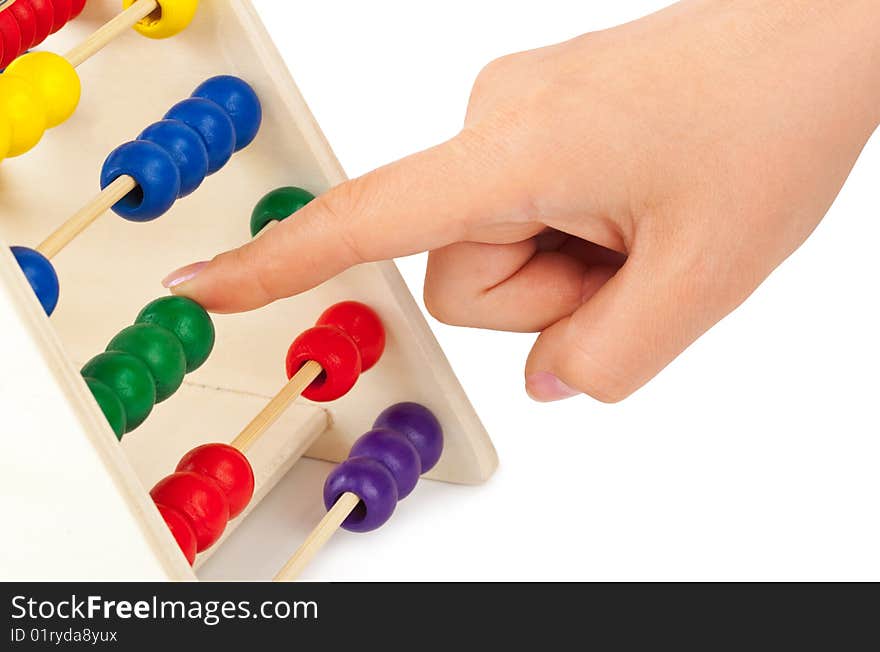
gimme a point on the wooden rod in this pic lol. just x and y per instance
(99, 205)
(274, 408)
(319, 536)
(110, 30)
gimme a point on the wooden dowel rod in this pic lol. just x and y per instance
(274, 408)
(101, 203)
(6, 5)
(110, 30)
(319, 536)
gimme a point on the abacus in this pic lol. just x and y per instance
(241, 402)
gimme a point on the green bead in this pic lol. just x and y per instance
(110, 405)
(278, 205)
(130, 379)
(160, 350)
(186, 319)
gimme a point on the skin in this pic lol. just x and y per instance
(619, 193)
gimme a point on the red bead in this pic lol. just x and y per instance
(27, 23)
(200, 500)
(44, 16)
(10, 35)
(362, 324)
(181, 530)
(226, 466)
(63, 9)
(76, 7)
(337, 354)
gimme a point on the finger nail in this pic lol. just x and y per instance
(183, 274)
(545, 387)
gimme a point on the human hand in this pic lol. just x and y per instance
(619, 193)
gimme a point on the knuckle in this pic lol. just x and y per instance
(246, 259)
(494, 75)
(340, 208)
(609, 394)
(494, 70)
(439, 304)
(602, 381)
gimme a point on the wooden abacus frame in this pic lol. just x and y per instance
(64, 471)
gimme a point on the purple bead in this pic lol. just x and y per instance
(370, 481)
(418, 424)
(397, 454)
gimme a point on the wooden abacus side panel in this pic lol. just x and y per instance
(73, 508)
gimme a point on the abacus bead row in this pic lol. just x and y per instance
(345, 336)
(27, 23)
(37, 91)
(212, 484)
(384, 464)
(196, 138)
(146, 362)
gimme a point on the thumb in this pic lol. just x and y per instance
(422, 202)
(635, 325)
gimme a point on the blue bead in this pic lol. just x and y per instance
(239, 100)
(186, 148)
(396, 453)
(212, 123)
(156, 174)
(40, 274)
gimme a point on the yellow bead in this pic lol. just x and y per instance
(26, 111)
(5, 135)
(172, 17)
(54, 78)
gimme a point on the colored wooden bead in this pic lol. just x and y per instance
(338, 356)
(418, 424)
(197, 498)
(159, 349)
(188, 321)
(130, 379)
(76, 7)
(5, 135)
(396, 452)
(360, 323)
(110, 405)
(10, 38)
(26, 111)
(370, 481)
(226, 466)
(172, 17)
(54, 78)
(185, 146)
(63, 10)
(41, 275)
(277, 206)
(26, 17)
(212, 123)
(238, 99)
(156, 174)
(181, 530)
(44, 17)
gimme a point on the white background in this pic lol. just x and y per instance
(754, 456)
